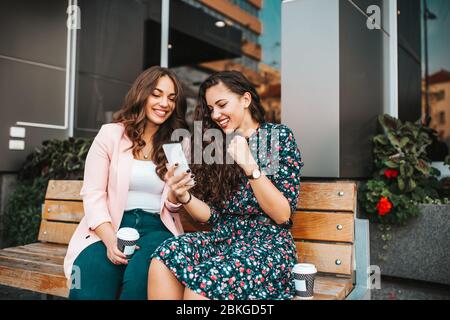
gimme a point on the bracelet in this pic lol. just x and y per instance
(190, 198)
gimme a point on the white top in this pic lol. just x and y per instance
(145, 187)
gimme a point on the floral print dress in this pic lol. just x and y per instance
(246, 255)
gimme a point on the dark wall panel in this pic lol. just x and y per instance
(361, 90)
(110, 57)
(33, 37)
(34, 30)
(409, 60)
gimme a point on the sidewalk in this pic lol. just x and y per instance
(403, 289)
(391, 289)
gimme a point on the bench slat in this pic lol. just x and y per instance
(52, 249)
(330, 285)
(331, 288)
(27, 257)
(189, 225)
(307, 226)
(64, 190)
(322, 226)
(60, 210)
(325, 196)
(56, 232)
(33, 266)
(324, 256)
(33, 276)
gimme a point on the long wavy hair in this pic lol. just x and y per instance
(133, 116)
(228, 176)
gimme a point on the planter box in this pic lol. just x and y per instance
(419, 250)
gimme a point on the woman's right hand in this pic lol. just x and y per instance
(180, 184)
(116, 256)
(106, 232)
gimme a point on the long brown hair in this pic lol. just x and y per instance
(133, 116)
(229, 176)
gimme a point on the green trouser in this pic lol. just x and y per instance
(100, 279)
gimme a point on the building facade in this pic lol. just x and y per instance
(65, 66)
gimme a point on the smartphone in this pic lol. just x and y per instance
(174, 154)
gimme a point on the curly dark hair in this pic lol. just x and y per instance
(230, 176)
(132, 114)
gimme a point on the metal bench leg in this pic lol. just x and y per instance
(362, 259)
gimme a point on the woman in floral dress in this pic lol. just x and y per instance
(250, 252)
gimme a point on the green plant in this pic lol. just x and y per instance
(55, 159)
(403, 176)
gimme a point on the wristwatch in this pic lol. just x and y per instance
(256, 173)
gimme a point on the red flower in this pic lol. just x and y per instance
(190, 268)
(213, 278)
(390, 173)
(384, 206)
(202, 285)
(242, 284)
(231, 296)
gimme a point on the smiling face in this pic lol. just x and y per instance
(227, 109)
(161, 102)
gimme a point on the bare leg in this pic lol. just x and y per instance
(162, 284)
(191, 295)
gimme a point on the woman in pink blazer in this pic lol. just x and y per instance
(124, 187)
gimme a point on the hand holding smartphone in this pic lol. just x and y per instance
(174, 154)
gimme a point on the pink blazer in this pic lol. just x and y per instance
(105, 189)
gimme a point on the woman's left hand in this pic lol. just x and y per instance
(241, 154)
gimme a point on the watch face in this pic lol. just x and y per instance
(256, 174)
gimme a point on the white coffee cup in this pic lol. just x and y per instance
(126, 240)
(304, 276)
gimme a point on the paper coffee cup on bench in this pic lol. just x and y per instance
(304, 276)
(126, 241)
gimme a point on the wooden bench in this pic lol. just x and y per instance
(326, 231)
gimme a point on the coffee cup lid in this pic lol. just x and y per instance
(128, 234)
(305, 268)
